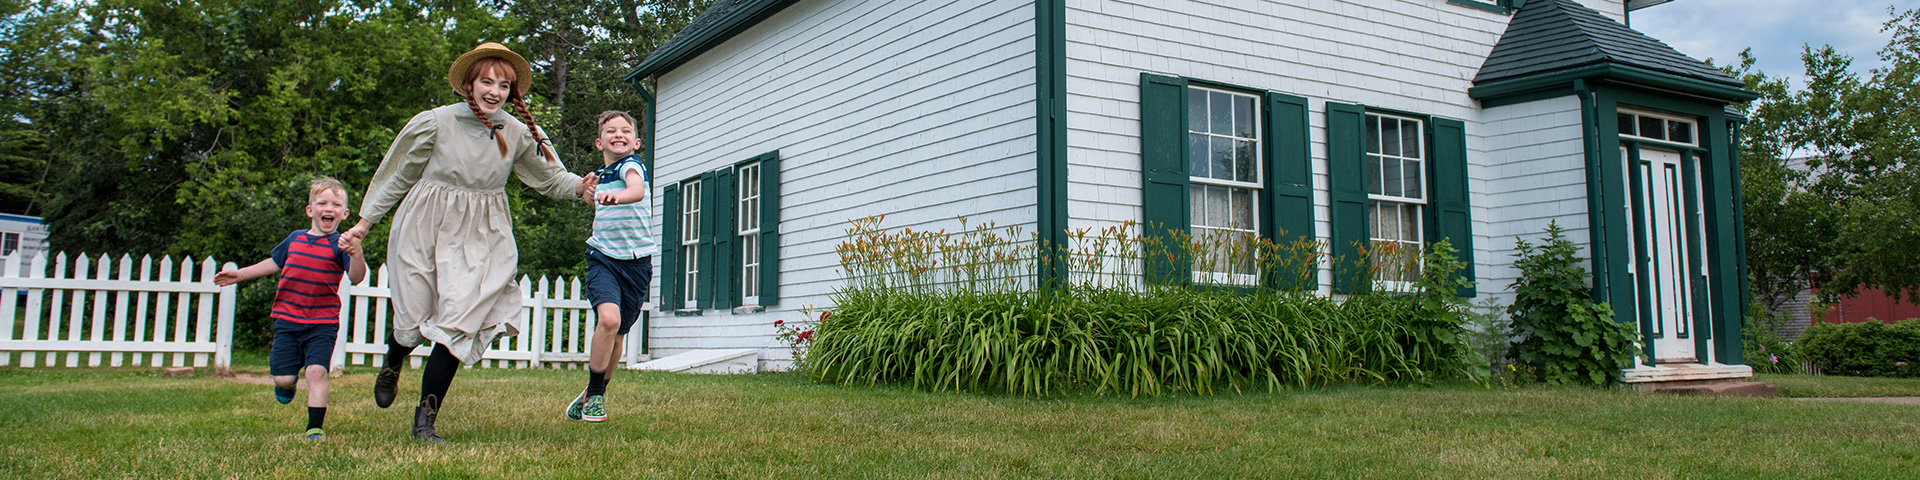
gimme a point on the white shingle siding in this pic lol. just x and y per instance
(1532, 172)
(919, 110)
(1417, 56)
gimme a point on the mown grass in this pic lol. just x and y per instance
(129, 423)
(1795, 385)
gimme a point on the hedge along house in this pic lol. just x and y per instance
(775, 122)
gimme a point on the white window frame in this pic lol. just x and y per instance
(747, 229)
(1249, 276)
(1378, 203)
(1668, 121)
(690, 244)
(9, 243)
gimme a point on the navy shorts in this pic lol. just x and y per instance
(296, 345)
(623, 283)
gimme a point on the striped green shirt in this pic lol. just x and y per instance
(623, 231)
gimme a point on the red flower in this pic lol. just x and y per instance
(778, 322)
(824, 314)
(806, 335)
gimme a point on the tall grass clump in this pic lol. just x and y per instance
(965, 312)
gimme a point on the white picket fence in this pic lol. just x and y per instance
(44, 317)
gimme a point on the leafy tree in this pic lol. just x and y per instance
(1844, 223)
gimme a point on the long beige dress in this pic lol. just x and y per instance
(451, 256)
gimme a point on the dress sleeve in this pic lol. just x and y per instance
(406, 160)
(550, 178)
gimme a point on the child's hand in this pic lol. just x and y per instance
(350, 244)
(608, 198)
(227, 277)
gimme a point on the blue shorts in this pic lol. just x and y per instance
(623, 283)
(296, 345)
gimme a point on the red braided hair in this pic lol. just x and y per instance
(539, 141)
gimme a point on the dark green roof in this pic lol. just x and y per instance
(1554, 36)
(721, 21)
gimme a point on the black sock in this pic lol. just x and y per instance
(397, 353)
(316, 416)
(438, 374)
(596, 382)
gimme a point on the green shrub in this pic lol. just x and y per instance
(1864, 349)
(946, 312)
(1565, 337)
(1762, 346)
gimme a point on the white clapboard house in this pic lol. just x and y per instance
(775, 122)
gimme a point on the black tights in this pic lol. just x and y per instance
(437, 375)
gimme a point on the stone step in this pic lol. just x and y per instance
(732, 361)
(1716, 389)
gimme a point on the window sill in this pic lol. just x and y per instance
(748, 309)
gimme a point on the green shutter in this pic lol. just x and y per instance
(1346, 152)
(1289, 181)
(726, 292)
(1163, 165)
(1448, 194)
(670, 298)
(704, 298)
(770, 228)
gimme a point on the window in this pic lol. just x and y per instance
(726, 226)
(1399, 180)
(9, 242)
(1224, 183)
(690, 243)
(1396, 184)
(748, 230)
(1653, 126)
(1225, 165)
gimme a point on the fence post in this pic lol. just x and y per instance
(7, 299)
(339, 360)
(223, 341)
(537, 325)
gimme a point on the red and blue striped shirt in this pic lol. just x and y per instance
(310, 270)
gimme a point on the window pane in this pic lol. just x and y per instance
(1220, 108)
(1198, 150)
(1197, 110)
(1390, 137)
(1680, 132)
(1627, 124)
(1389, 214)
(1410, 223)
(1243, 162)
(1412, 171)
(1218, 209)
(1197, 201)
(1391, 166)
(1410, 139)
(1243, 116)
(1653, 128)
(1373, 134)
(1242, 208)
(1373, 175)
(1222, 158)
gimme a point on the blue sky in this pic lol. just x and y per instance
(1776, 29)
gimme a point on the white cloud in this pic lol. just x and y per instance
(1777, 30)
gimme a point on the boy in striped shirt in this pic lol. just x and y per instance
(306, 308)
(619, 257)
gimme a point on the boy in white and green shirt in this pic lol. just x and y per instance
(619, 257)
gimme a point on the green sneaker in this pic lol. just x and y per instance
(595, 409)
(573, 409)
(316, 434)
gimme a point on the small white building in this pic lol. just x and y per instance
(772, 123)
(23, 234)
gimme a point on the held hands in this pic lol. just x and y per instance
(354, 235)
(350, 244)
(588, 183)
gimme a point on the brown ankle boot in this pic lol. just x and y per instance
(423, 417)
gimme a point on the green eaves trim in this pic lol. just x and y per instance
(736, 21)
(1488, 6)
(1634, 75)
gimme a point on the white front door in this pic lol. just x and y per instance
(1668, 223)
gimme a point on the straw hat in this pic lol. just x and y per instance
(523, 73)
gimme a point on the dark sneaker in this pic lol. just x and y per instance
(284, 395)
(385, 385)
(594, 409)
(574, 409)
(316, 434)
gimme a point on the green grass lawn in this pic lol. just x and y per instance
(130, 423)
